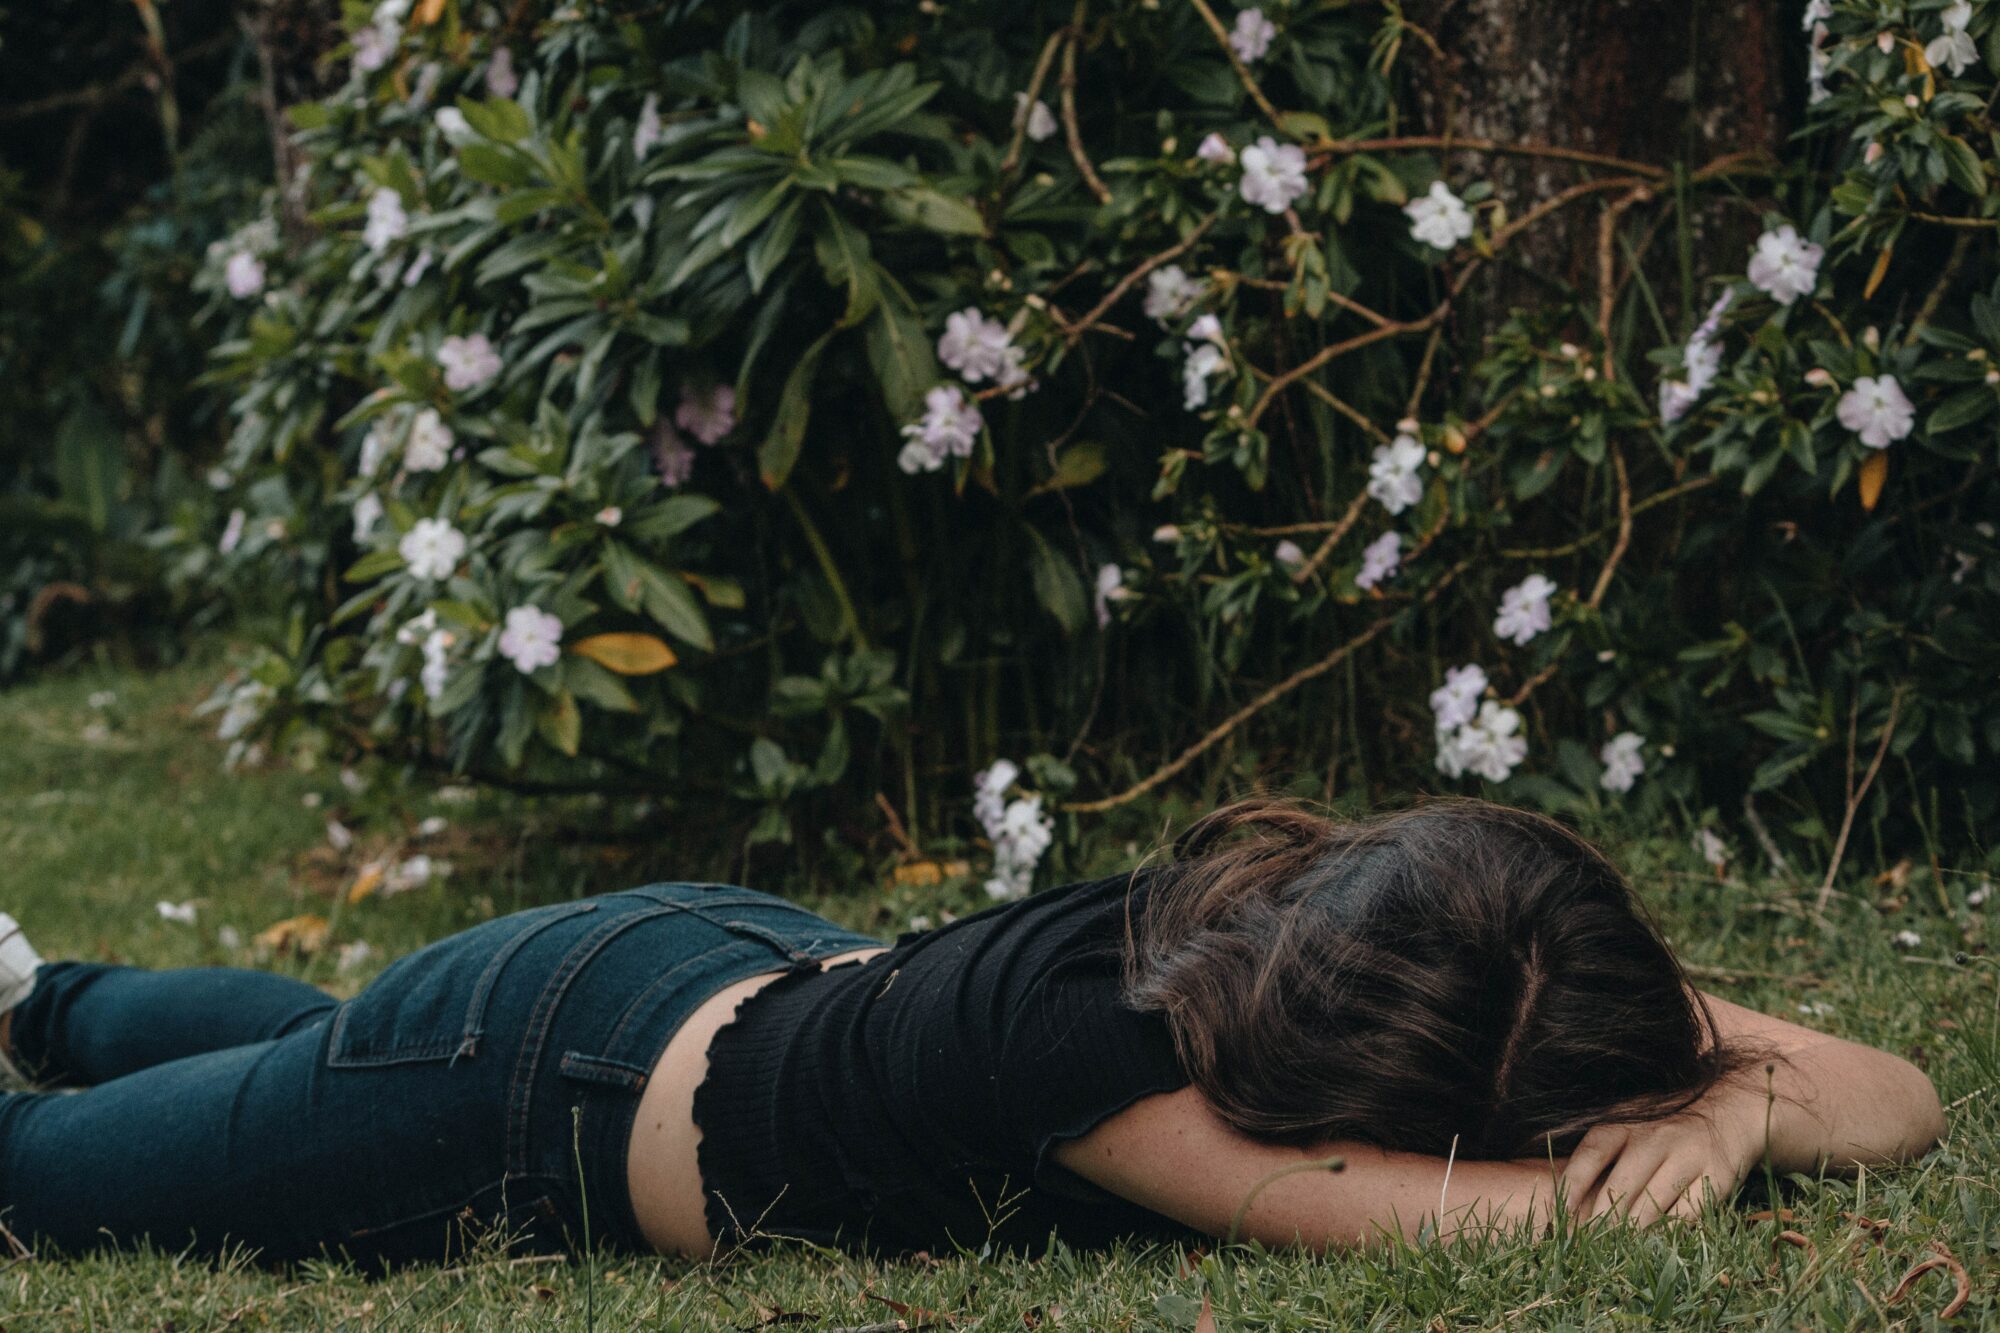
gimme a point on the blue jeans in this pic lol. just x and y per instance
(487, 1081)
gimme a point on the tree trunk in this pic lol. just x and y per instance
(1651, 80)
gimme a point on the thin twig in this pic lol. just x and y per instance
(1070, 128)
(1236, 63)
(1451, 144)
(1854, 803)
(1073, 332)
(1041, 74)
(1333, 538)
(1263, 701)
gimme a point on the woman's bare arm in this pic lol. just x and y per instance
(1172, 1153)
(1813, 1102)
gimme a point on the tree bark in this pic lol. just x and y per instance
(1652, 80)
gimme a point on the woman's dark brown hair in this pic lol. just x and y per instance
(1457, 975)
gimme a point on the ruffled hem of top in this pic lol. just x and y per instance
(734, 1046)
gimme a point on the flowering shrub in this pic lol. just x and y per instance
(802, 402)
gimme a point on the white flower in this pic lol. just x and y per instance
(1167, 532)
(437, 661)
(375, 447)
(1251, 37)
(419, 266)
(429, 446)
(1170, 293)
(338, 835)
(386, 220)
(367, 513)
(949, 428)
(1786, 265)
(1287, 552)
(973, 345)
(1456, 702)
(1274, 174)
(1977, 897)
(1208, 329)
(453, 125)
(1204, 359)
(1524, 609)
(989, 792)
(1440, 218)
(647, 133)
(372, 48)
(232, 532)
(672, 458)
(431, 548)
(101, 699)
(244, 275)
(353, 956)
(1379, 559)
(530, 639)
(1214, 148)
(1489, 745)
(468, 362)
(1110, 588)
(1815, 1008)
(707, 414)
(1701, 362)
(181, 912)
(501, 80)
(1041, 122)
(413, 873)
(1955, 47)
(1817, 11)
(1906, 939)
(246, 705)
(1877, 410)
(1392, 473)
(1711, 849)
(416, 627)
(610, 516)
(1818, 65)
(1622, 761)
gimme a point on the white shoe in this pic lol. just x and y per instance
(18, 963)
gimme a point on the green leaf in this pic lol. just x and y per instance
(89, 460)
(1961, 409)
(1078, 465)
(374, 565)
(779, 453)
(490, 165)
(1057, 585)
(905, 364)
(560, 723)
(1962, 165)
(934, 210)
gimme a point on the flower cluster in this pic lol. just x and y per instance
(1019, 829)
(1701, 362)
(949, 428)
(1207, 349)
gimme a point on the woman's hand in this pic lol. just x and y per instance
(1658, 1168)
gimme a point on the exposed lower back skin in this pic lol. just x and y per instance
(662, 1170)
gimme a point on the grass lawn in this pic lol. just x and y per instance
(108, 807)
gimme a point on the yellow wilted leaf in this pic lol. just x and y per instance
(296, 934)
(627, 654)
(1876, 274)
(429, 12)
(1874, 471)
(922, 874)
(365, 883)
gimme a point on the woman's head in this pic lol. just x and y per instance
(1458, 973)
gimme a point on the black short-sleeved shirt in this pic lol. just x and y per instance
(911, 1102)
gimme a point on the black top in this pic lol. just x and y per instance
(911, 1102)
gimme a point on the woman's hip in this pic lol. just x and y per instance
(540, 1030)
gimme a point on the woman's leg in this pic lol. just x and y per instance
(262, 1146)
(89, 1023)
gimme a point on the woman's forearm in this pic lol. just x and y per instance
(1824, 1103)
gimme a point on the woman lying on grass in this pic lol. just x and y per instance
(1461, 1001)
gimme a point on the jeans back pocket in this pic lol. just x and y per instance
(432, 1004)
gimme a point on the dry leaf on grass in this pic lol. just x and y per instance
(295, 934)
